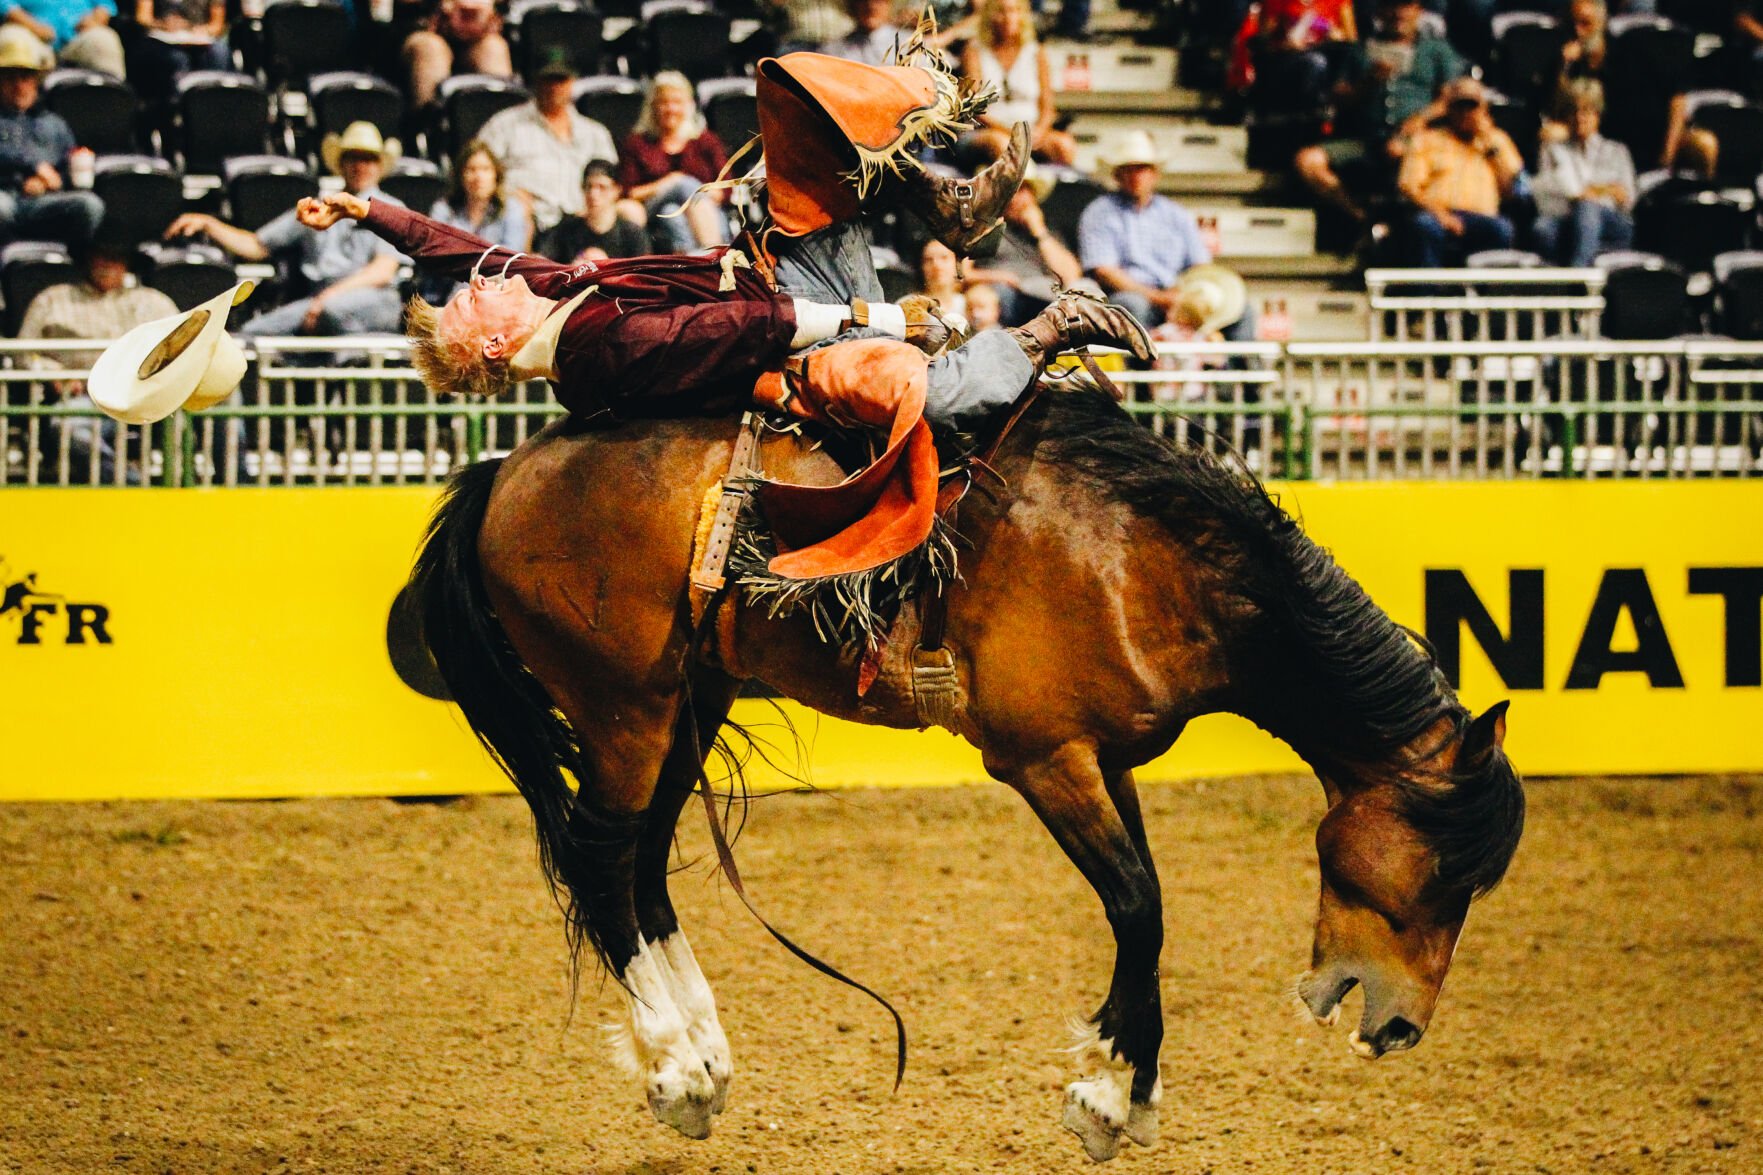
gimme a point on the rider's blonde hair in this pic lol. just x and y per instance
(448, 365)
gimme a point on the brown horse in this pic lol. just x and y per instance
(1112, 588)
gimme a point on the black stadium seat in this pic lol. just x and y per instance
(1645, 296)
(304, 37)
(1738, 281)
(1526, 55)
(102, 110)
(1654, 60)
(614, 102)
(544, 27)
(260, 188)
(688, 35)
(416, 183)
(1694, 229)
(463, 104)
(218, 114)
(189, 274)
(142, 195)
(341, 97)
(1065, 204)
(1738, 123)
(730, 109)
(27, 268)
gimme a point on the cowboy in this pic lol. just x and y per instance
(352, 275)
(36, 197)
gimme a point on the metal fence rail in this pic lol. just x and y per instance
(352, 412)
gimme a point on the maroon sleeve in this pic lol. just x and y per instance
(634, 163)
(709, 156)
(451, 252)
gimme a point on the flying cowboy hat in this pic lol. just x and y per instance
(184, 361)
(1211, 296)
(358, 138)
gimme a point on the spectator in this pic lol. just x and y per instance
(77, 31)
(1031, 265)
(1007, 56)
(544, 144)
(105, 304)
(939, 277)
(476, 202)
(1384, 99)
(1585, 188)
(669, 154)
(1296, 47)
(1209, 300)
(1456, 175)
(457, 32)
(807, 24)
(352, 274)
(1656, 107)
(984, 310)
(179, 35)
(1693, 171)
(873, 35)
(600, 232)
(34, 145)
(1135, 242)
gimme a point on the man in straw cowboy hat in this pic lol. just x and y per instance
(36, 200)
(352, 275)
(1136, 242)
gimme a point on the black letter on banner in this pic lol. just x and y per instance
(1624, 588)
(1452, 603)
(80, 617)
(32, 620)
(1743, 589)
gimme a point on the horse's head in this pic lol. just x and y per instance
(1401, 858)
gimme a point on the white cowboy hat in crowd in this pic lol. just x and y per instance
(19, 49)
(185, 361)
(1137, 149)
(1213, 295)
(358, 138)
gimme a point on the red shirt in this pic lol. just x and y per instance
(642, 161)
(656, 338)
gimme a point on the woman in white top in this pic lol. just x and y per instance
(1007, 55)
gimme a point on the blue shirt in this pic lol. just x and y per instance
(30, 137)
(60, 15)
(510, 229)
(329, 256)
(1152, 245)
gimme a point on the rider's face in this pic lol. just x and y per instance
(489, 308)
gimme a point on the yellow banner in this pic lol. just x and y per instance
(234, 642)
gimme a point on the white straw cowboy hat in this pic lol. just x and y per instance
(21, 50)
(185, 361)
(358, 138)
(1136, 149)
(1214, 295)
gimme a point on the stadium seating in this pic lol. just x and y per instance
(1738, 282)
(142, 195)
(1738, 123)
(260, 188)
(1526, 55)
(543, 27)
(217, 114)
(101, 110)
(1654, 60)
(614, 102)
(341, 97)
(688, 35)
(463, 104)
(1645, 296)
(27, 268)
(1065, 204)
(730, 109)
(416, 183)
(1692, 230)
(188, 274)
(304, 37)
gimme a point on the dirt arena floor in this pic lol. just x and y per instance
(366, 986)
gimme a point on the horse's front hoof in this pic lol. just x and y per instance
(1141, 1124)
(1091, 1115)
(683, 1097)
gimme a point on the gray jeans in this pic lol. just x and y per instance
(833, 265)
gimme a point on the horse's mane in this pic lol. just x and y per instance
(1387, 686)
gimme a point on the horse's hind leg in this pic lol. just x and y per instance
(712, 695)
(1118, 1096)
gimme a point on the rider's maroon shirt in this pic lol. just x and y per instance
(657, 338)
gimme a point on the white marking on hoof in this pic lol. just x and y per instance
(1141, 1121)
(1363, 1048)
(696, 1002)
(675, 1081)
(1097, 1110)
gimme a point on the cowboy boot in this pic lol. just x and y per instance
(1077, 320)
(964, 214)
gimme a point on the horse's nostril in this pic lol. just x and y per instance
(1398, 1034)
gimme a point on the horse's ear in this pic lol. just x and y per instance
(1485, 735)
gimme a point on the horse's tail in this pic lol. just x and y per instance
(507, 707)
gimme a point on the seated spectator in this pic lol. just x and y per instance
(983, 307)
(35, 202)
(352, 274)
(1384, 99)
(669, 154)
(1137, 243)
(873, 35)
(1031, 265)
(1295, 46)
(1209, 300)
(807, 24)
(1658, 109)
(544, 144)
(1007, 56)
(939, 277)
(179, 35)
(1692, 171)
(1585, 188)
(457, 34)
(77, 32)
(104, 305)
(601, 231)
(476, 202)
(1455, 175)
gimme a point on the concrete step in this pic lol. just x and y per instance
(1111, 67)
(1184, 145)
(1236, 231)
(1297, 311)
